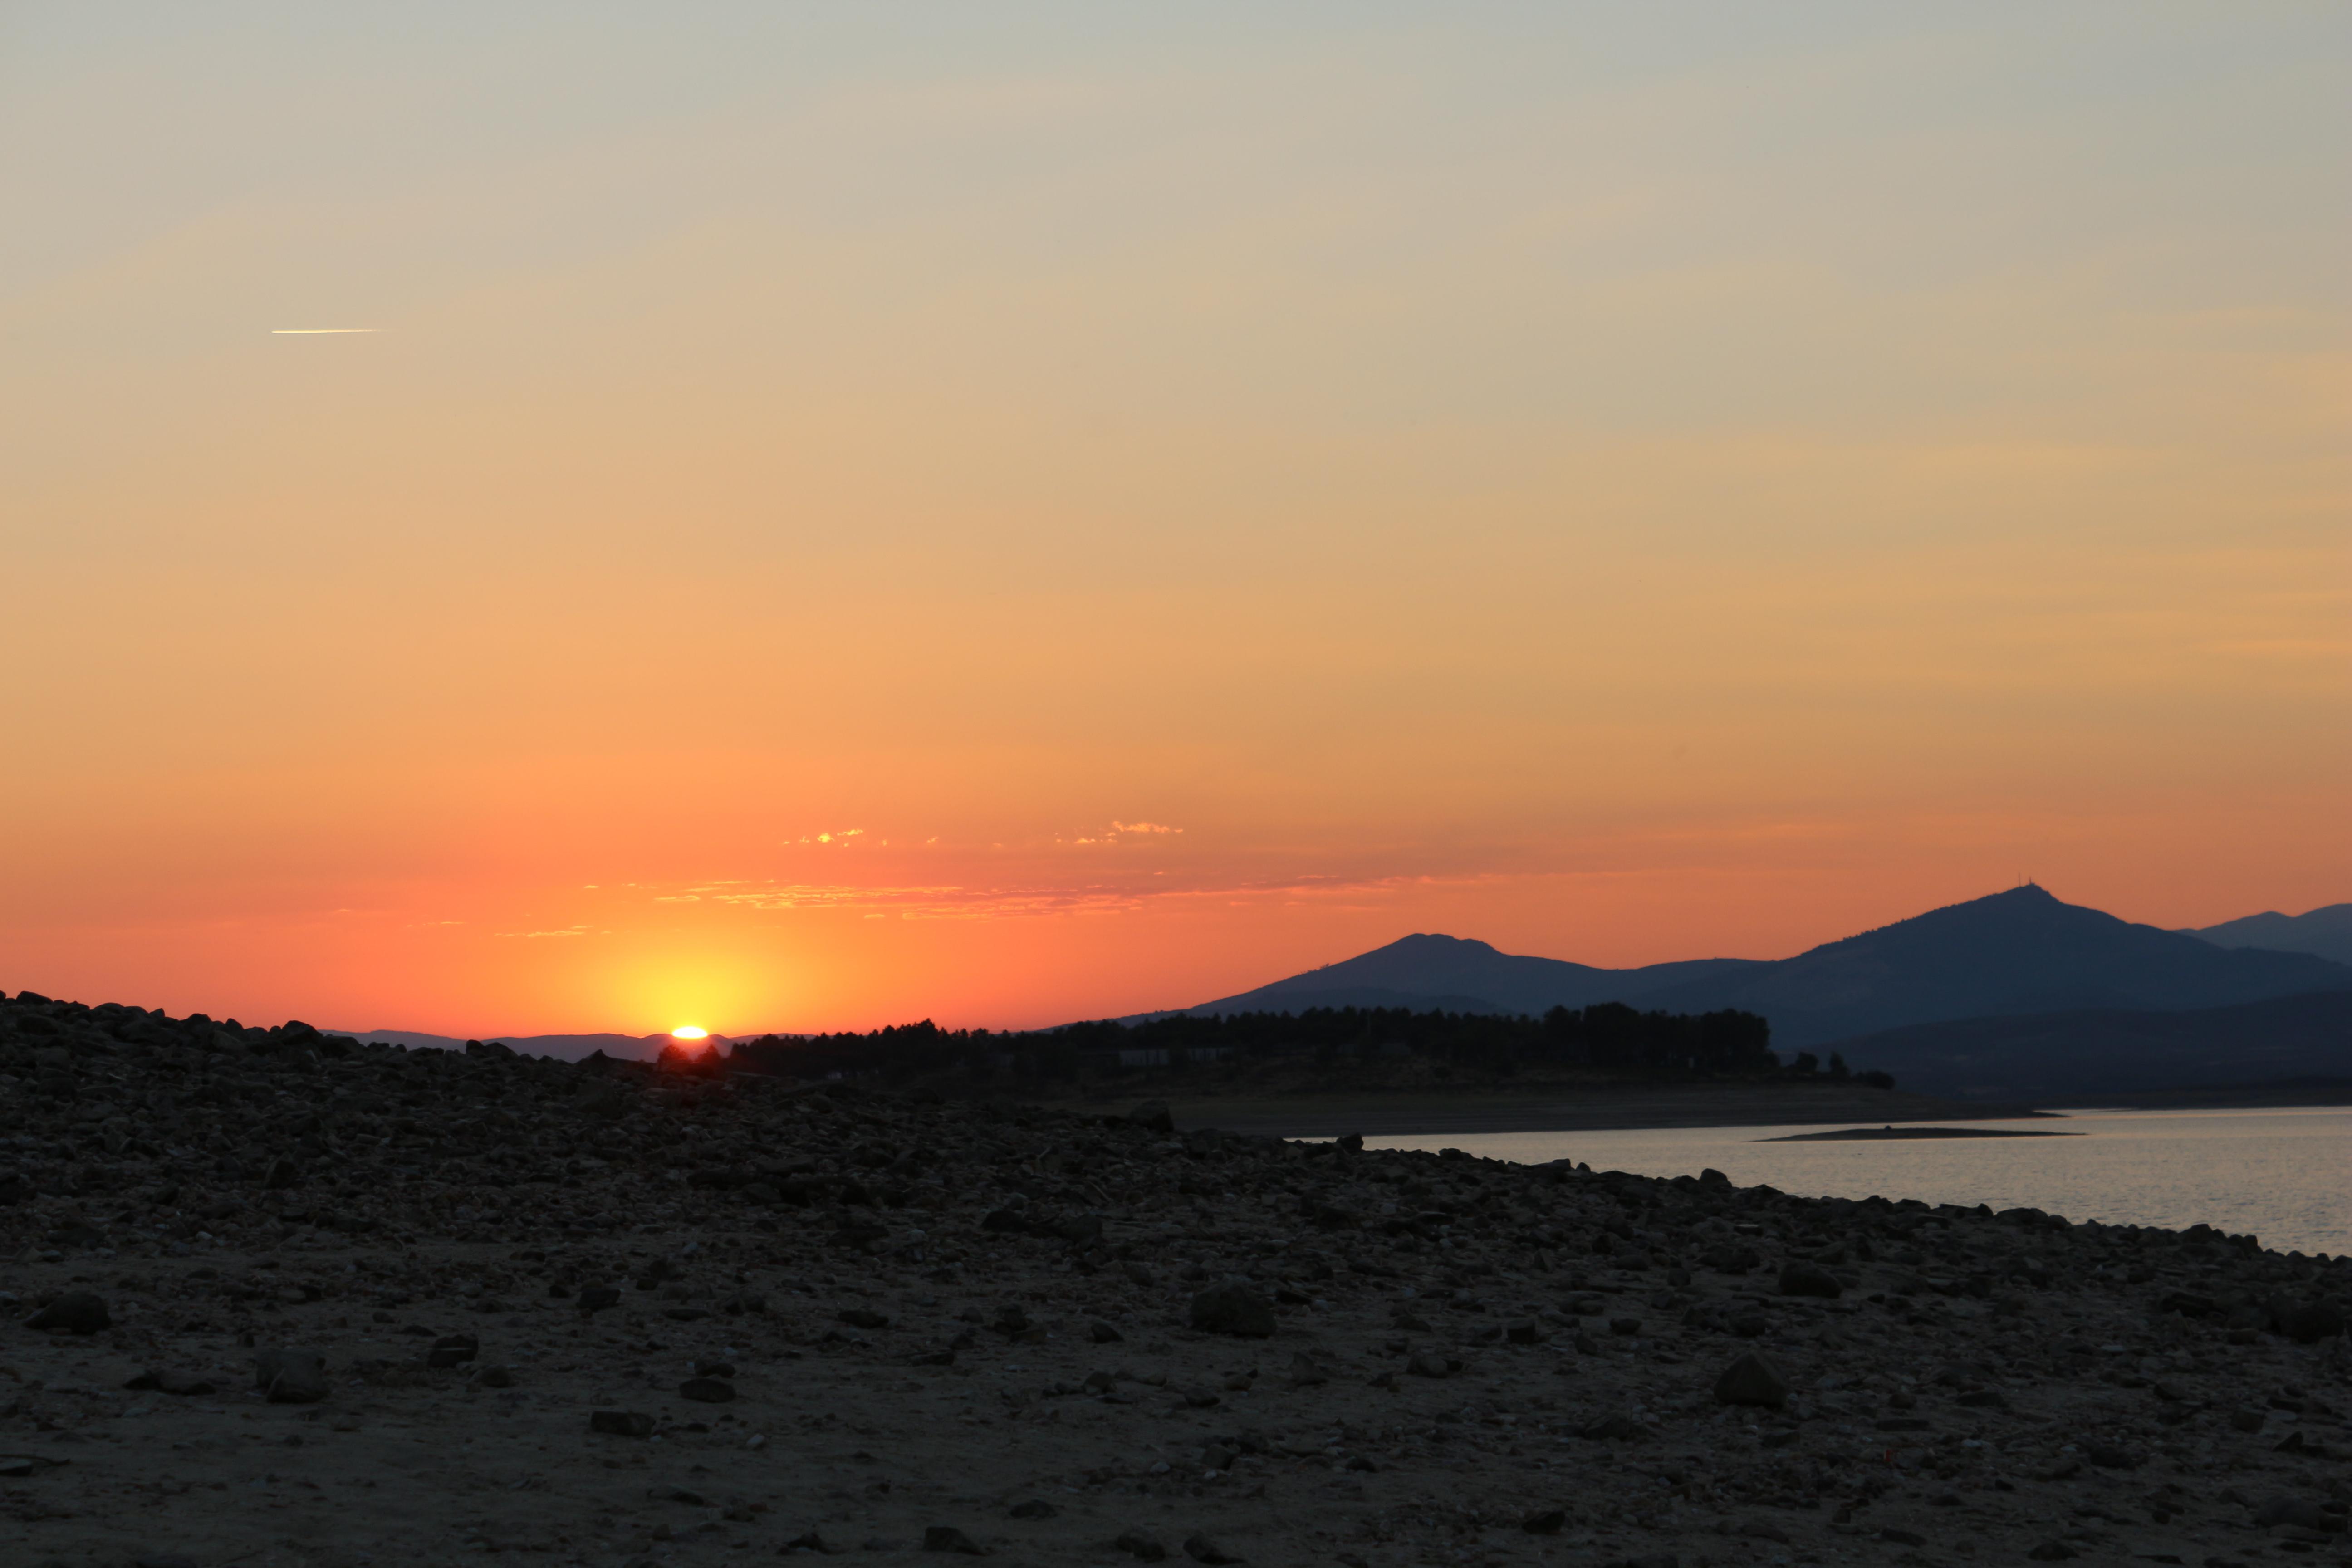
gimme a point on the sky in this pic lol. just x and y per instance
(849, 514)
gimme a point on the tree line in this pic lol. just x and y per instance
(1608, 1037)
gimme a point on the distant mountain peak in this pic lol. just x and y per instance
(2021, 950)
(2326, 931)
(1437, 940)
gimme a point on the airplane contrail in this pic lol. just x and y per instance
(317, 331)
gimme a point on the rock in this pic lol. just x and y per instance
(290, 1377)
(620, 1423)
(1527, 1333)
(1234, 1310)
(1799, 1278)
(2052, 1552)
(496, 1377)
(1752, 1380)
(2108, 1457)
(1545, 1522)
(1200, 1549)
(862, 1318)
(1427, 1363)
(1303, 1371)
(1902, 1537)
(597, 1298)
(453, 1350)
(74, 1313)
(1102, 1333)
(2298, 1514)
(2306, 1323)
(707, 1390)
(1711, 1177)
(1035, 1507)
(182, 1384)
(163, 1560)
(810, 1541)
(1616, 1427)
(1142, 1547)
(948, 1538)
(1153, 1114)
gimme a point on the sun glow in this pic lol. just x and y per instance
(689, 1032)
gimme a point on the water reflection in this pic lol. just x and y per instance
(2286, 1176)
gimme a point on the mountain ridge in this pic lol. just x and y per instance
(2325, 932)
(2018, 951)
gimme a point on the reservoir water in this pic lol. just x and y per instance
(2285, 1175)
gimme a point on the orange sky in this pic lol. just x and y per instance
(1201, 496)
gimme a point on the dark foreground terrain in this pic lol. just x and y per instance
(278, 1300)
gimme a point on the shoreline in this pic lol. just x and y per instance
(1602, 1109)
(1633, 1108)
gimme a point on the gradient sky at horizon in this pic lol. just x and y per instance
(1011, 513)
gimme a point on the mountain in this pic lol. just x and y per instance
(2014, 952)
(2327, 932)
(1461, 975)
(2056, 1055)
(564, 1047)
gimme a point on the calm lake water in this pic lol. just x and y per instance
(2285, 1175)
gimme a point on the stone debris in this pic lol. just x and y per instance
(274, 1286)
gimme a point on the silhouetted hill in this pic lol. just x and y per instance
(1461, 975)
(2326, 931)
(2115, 1052)
(2014, 952)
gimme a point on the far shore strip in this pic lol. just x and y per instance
(1858, 1134)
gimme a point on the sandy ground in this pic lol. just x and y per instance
(976, 1326)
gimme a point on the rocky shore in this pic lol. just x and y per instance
(274, 1297)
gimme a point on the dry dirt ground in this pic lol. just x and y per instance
(824, 1320)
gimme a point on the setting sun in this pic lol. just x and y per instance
(688, 1032)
